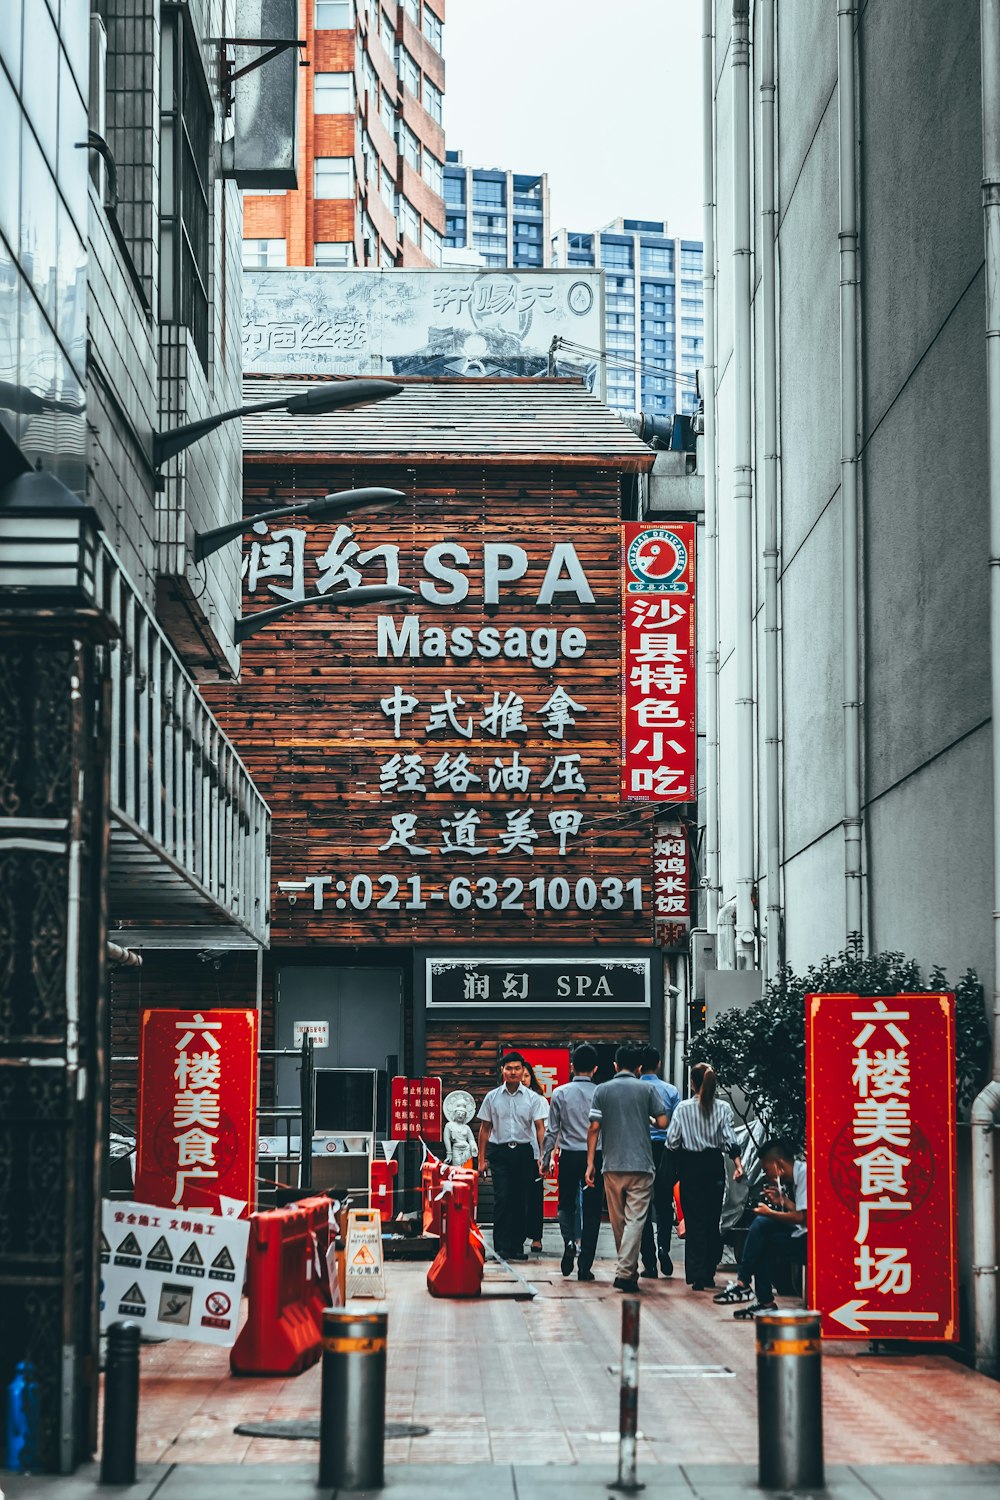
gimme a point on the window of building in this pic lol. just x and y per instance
(432, 29)
(334, 15)
(488, 192)
(490, 242)
(386, 112)
(528, 194)
(454, 188)
(656, 257)
(387, 189)
(490, 223)
(432, 99)
(334, 177)
(333, 93)
(430, 243)
(432, 172)
(499, 259)
(370, 77)
(408, 220)
(616, 255)
(454, 228)
(412, 8)
(527, 234)
(385, 259)
(185, 153)
(263, 253)
(409, 73)
(333, 253)
(691, 258)
(692, 287)
(409, 146)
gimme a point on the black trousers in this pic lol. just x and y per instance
(703, 1179)
(661, 1208)
(534, 1211)
(513, 1169)
(768, 1241)
(572, 1171)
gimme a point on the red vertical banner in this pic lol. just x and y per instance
(552, 1067)
(197, 1110)
(880, 1148)
(659, 727)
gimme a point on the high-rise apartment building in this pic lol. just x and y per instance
(371, 144)
(654, 311)
(501, 217)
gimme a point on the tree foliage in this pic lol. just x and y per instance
(759, 1054)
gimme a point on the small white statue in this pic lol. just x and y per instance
(460, 1142)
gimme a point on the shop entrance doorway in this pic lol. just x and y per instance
(355, 1017)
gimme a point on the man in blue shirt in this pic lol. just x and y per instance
(662, 1206)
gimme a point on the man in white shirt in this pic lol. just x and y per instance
(511, 1126)
(778, 1232)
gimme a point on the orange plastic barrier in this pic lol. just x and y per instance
(318, 1297)
(280, 1336)
(457, 1270)
(434, 1179)
(383, 1193)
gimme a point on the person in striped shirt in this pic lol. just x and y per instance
(701, 1128)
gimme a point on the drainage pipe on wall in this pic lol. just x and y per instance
(709, 584)
(769, 401)
(743, 486)
(987, 1103)
(846, 91)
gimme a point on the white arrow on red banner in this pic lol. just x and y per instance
(851, 1312)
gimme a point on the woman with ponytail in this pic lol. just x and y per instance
(701, 1128)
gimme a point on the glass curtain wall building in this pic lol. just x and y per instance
(371, 144)
(500, 218)
(654, 311)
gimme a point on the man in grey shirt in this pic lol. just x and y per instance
(567, 1127)
(620, 1113)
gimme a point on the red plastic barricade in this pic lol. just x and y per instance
(280, 1336)
(383, 1194)
(318, 1296)
(457, 1270)
(434, 1179)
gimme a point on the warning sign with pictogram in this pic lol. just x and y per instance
(128, 1252)
(160, 1257)
(222, 1267)
(365, 1272)
(133, 1302)
(105, 1250)
(191, 1263)
(142, 1277)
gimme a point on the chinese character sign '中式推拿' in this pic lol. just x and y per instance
(881, 1143)
(196, 1118)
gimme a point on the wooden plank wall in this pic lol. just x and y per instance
(464, 1053)
(305, 713)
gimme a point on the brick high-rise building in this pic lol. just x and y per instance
(371, 144)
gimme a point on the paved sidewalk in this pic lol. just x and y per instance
(501, 1379)
(515, 1482)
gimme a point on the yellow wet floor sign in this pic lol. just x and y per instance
(365, 1270)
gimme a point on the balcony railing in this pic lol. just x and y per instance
(189, 830)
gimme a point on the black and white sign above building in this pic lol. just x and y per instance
(520, 981)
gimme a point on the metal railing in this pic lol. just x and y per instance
(176, 780)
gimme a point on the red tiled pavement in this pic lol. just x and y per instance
(504, 1380)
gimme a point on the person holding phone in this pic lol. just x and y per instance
(778, 1231)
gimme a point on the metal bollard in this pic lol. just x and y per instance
(628, 1409)
(352, 1403)
(121, 1404)
(789, 1401)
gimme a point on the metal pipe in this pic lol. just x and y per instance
(352, 1400)
(119, 955)
(846, 90)
(121, 1404)
(769, 402)
(628, 1405)
(987, 1104)
(743, 487)
(709, 587)
(789, 1401)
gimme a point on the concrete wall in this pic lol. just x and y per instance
(923, 562)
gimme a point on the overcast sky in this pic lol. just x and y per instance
(604, 97)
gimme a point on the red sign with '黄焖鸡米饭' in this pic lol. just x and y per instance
(659, 728)
(415, 1109)
(197, 1110)
(880, 1148)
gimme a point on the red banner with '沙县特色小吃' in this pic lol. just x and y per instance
(880, 1148)
(197, 1120)
(659, 729)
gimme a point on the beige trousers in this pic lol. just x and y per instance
(628, 1195)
